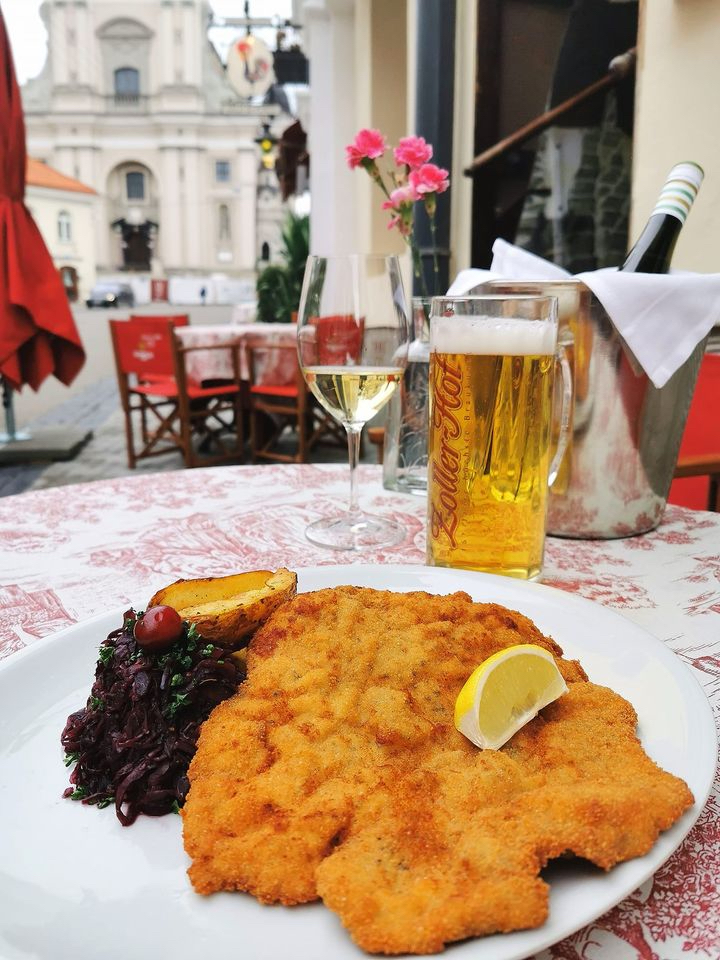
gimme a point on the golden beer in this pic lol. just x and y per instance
(491, 400)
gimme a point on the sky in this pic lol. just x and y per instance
(29, 38)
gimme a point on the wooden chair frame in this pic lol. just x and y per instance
(173, 411)
(703, 465)
(297, 410)
(203, 415)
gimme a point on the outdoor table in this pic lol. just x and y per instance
(279, 367)
(69, 553)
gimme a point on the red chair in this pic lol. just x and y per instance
(275, 406)
(177, 320)
(338, 339)
(204, 424)
(697, 475)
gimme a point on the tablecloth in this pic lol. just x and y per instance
(276, 367)
(69, 553)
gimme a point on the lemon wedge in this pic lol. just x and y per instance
(505, 692)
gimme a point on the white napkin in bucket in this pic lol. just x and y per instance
(661, 317)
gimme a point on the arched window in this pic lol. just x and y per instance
(64, 226)
(223, 223)
(135, 185)
(265, 251)
(127, 82)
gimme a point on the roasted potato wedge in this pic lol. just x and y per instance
(226, 610)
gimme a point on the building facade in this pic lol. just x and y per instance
(65, 212)
(133, 100)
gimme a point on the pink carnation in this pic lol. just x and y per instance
(367, 145)
(405, 194)
(412, 152)
(429, 179)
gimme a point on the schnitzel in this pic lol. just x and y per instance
(337, 773)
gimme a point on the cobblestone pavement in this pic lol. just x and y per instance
(97, 408)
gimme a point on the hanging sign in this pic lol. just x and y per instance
(250, 66)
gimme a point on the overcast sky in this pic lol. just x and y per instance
(29, 39)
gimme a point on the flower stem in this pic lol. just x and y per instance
(417, 267)
(436, 264)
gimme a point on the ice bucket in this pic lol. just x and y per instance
(619, 463)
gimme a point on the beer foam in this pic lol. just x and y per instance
(506, 336)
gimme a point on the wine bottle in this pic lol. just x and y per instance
(654, 248)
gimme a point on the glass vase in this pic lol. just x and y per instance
(405, 457)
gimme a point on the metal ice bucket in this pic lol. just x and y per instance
(616, 474)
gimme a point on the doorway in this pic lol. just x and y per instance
(69, 276)
(533, 54)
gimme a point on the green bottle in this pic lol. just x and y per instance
(654, 248)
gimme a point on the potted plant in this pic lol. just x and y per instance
(278, 285)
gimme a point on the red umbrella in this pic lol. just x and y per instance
(38, 336)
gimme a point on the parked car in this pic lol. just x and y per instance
(111, 294)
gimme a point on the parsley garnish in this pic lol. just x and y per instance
(96, 703)
(177, 702)
(78, 793)
(106, 654)
(71, 758)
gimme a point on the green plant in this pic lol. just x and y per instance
(279, 285)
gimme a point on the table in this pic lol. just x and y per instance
(280, 365)
(72, 552)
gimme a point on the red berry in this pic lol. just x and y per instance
(158, 629)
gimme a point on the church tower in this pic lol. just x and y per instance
(133, 100)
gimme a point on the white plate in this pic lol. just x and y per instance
(75, 884)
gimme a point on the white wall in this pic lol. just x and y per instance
(678, 118)
(79, 252)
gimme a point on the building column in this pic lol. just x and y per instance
(84, 64)
(192, 27)
(170, 228)
(166, 39)
(58, 49)
(331, 50)
(244, 211)
(193, 195)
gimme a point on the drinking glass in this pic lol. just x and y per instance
(353, 336)
(491, 458)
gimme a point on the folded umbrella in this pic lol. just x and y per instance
(38, 336)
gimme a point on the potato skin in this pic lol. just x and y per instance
(226, 610)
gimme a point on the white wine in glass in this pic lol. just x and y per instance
(353, 336)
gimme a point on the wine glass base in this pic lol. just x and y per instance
(357, 532)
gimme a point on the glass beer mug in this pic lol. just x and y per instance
(491, 451)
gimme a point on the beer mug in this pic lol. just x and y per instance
(493, 361)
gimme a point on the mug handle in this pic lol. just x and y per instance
(561, 360)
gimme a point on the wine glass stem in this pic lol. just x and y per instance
(353, 431)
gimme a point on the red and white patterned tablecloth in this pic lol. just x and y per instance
(273, 366)
(69, 553)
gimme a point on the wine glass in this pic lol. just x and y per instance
(353, 336)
